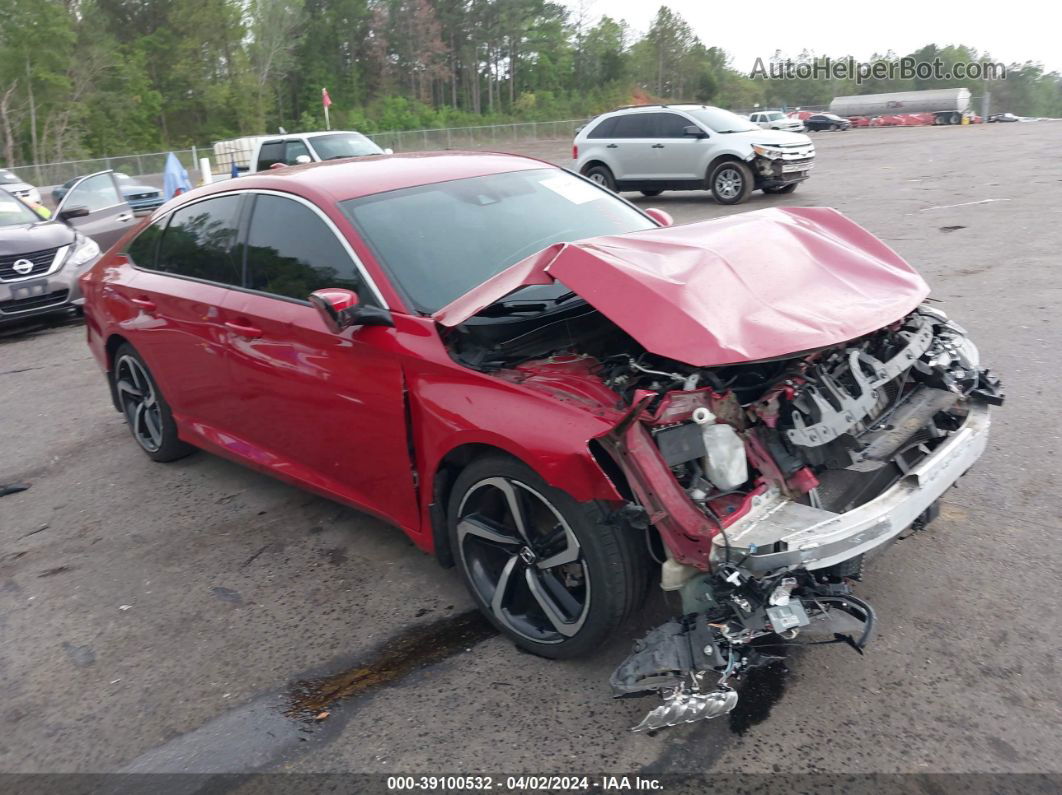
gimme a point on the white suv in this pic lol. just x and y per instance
(776, 120)
(653, 148)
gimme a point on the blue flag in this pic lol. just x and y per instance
(235, 170)
(174, 177)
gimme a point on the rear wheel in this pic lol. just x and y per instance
(146, 411)
(782, 188)
(730, 182)
(547, 571)
(602, 175)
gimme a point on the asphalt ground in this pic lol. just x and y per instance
(198, 617)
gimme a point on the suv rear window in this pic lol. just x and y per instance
(603, 129)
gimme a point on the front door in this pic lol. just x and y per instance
(327, 409)
(109, 215)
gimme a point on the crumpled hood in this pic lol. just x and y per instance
(752, 286)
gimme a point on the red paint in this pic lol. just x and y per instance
(367, 416)
(750, 286)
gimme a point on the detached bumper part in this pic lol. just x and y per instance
(779, 533)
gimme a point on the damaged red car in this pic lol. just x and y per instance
(558, 393)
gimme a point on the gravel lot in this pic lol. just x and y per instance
(162, 617)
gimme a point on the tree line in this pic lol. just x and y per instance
(84, 78)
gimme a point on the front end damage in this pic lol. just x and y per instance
(790, 404)
(844, 449)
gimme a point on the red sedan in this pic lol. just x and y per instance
(549, 387)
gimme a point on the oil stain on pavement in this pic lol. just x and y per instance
(276, 726)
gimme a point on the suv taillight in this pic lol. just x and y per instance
(575, 151)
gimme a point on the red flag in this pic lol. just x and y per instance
(325, 99)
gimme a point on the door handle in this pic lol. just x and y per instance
(145, 303)
(244, 330)
(658, 146)
(124, 217)
(612, 146)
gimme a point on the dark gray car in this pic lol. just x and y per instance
(41, 259)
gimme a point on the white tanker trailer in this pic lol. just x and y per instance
(948, 105)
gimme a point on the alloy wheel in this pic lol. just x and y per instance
(139, 401)
(523, 560)
(597, 177)
(728, 183)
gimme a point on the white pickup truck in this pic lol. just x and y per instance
(262, 152)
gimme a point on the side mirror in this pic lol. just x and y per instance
(302, 160)
(340, 309)
(389, 151)
(73, 212)
(661, 217)
(693, 131)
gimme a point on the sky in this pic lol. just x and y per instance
(1014, 31)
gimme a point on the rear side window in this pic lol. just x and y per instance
(142, 248)
(604, 129)
(291, 252)
(270, 153)
(200, 241)
(634, 125)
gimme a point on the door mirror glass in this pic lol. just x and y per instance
(660, 216)
(693, 131)
(303, 160)
(73, 212)
(389, 151)
(340, 309)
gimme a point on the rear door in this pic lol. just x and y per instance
(186, 265)
(109, 214)
(635, 155)
(327, 409)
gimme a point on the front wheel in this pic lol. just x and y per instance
(146, 411)
(547, 571)
(792, 186)
(730, 182)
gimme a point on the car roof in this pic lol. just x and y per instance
(352, 178)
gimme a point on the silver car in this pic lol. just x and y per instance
(41, 259)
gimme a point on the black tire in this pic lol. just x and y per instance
(146, 411)
(730, 182)
(792, 186)
(602, 175)
(651, 193)
(588, 595)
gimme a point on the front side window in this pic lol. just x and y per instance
(671, 125)
(337, 145)
(294, 150)
(96, 193)
(439, 241)
(200, 241)
(291, 252)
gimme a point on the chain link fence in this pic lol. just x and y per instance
(492, 136)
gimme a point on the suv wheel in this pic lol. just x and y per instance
(730, 182)
(549, 572)
(146, 411)
(602, 175)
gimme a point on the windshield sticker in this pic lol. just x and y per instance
(574, 190)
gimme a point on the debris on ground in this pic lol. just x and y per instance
(12, 488)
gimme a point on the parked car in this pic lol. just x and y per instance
(1003, 117)
(653, 148)
(554, 390)
(15, 185)
(826, 121)
(776, 120)
(139, 197)
(39, 262)
(298, 148)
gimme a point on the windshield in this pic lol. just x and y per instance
(439, 241)
(721, 121)
(15, 213)
(331, 147)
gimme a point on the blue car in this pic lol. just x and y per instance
(140, 197)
